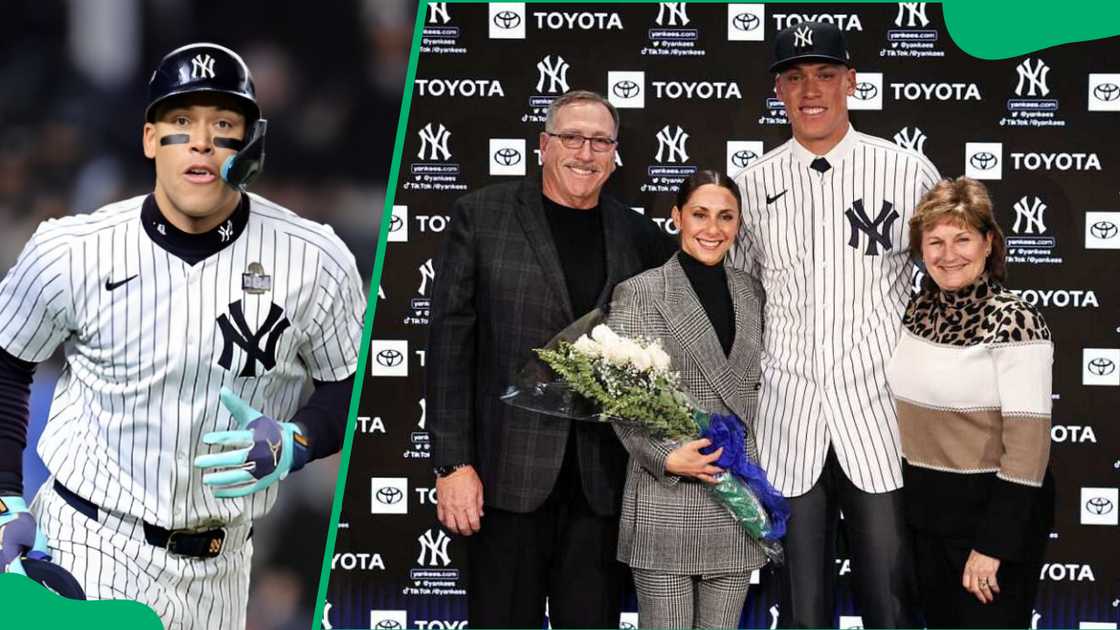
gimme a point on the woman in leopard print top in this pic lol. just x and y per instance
(971, 377)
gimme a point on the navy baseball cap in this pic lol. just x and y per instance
(809, 42)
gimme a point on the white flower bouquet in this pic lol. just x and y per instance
(610, 378)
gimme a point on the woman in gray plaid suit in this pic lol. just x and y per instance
(691, 560)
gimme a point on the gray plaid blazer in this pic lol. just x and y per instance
(499, 292)
(670, 523)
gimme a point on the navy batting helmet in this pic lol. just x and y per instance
(202, 67)
(53, 577)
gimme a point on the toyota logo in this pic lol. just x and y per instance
(743, 157)
(625, 89)
(507, 20)
(389, 495)
(395, 223)
(390, 357)
(1107, 92)
(1099, 505)
(983, 160)
(388, 624)
(507, 156)
(1101, 366)
(745, 21)
(865, 91)
(1103, 229)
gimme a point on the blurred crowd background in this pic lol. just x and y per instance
(329, 77)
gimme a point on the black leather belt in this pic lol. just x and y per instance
(206, 544)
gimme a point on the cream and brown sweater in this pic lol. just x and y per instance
(971, 378)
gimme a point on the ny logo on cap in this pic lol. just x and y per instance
(202, 67)
(803, 37)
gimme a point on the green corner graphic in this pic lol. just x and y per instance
(998, 30)
(31, 606)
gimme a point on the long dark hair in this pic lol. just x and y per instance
(702, 178)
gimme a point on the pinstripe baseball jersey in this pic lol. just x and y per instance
(831, 250)
(150, 339)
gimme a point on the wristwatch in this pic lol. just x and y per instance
(443, 471)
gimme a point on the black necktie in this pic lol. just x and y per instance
(820, 165)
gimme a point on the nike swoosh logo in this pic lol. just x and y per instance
(109, 286)
(770, 200)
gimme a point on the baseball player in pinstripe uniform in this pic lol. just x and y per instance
(161, 302)
(824, 228)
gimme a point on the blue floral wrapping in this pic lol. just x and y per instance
(745, 492)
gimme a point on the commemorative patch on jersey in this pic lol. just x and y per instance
(255, 281)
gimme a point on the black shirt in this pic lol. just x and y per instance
(710, 285)
(578, 236)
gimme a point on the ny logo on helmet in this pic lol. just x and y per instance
(238, 333)
(202, 67)
(803, 37)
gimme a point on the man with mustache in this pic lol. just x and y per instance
(824, 229)
(538, 496)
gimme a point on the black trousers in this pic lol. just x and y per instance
(940, 564)
(882, 568)
(562, 551)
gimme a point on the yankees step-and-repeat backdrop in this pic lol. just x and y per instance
(691, 85)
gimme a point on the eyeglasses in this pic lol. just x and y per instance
(575, 141)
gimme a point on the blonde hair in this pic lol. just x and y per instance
(965, 202)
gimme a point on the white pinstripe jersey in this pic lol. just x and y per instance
(831, 251)
(145, 360)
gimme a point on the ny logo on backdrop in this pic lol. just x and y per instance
(913, 13)
(434, 142)
(426, 273)
(671, 14)
(556, 71)
(877, 231)
(1029, 215)
(433, 550)
(913, 140)
(1033, 78)
(672, 145)
(437, 13)
(238, 333)
(202, 67)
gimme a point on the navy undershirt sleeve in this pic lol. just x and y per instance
(15, 396)
(323, 418)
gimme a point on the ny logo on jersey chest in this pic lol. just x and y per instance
(878, 231)
(237, 333)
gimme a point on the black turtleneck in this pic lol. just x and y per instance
(578, 236)
(192, 248)
(710, 284)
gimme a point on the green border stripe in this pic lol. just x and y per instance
(371, 309)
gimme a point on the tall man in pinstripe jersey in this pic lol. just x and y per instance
(824, 229)
(162, 301)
